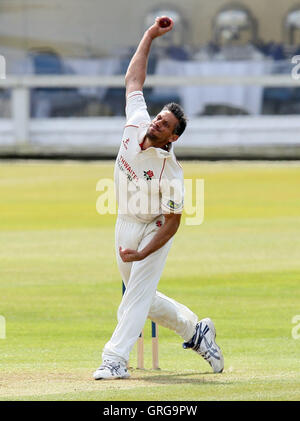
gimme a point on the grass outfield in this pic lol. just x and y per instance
(60, 286)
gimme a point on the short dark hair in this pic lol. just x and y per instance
(178, 112)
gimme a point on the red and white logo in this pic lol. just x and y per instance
(148, 174)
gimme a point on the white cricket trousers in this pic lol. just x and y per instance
(141, 300)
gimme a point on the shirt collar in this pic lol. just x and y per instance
(161, 153)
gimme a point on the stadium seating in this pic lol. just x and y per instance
(49, 102)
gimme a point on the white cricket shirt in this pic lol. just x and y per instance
(148, 182)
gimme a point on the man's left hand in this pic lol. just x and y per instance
(129, 255)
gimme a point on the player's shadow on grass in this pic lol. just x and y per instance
(182, 378)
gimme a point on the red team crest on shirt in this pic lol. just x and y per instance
(148, 174)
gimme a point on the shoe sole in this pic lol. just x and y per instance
(112, 378)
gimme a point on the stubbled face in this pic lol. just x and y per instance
(162, 128)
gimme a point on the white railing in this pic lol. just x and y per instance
(69, 81)
(21, 85)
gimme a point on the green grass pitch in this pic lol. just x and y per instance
(60, 287)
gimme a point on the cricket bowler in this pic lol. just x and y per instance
(146, 167)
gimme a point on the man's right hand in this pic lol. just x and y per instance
(156, 31)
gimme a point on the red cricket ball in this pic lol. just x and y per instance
(164, 22)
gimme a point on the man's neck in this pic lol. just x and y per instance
(146, 143)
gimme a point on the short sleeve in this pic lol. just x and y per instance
(136, 108)
(172, 195)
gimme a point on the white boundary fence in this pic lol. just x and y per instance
(218, 136)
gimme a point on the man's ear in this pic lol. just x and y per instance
(173, 138)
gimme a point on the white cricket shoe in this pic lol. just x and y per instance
(203, 342)
(111, 370)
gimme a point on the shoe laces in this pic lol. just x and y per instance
(112, 366)
(196, 341)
